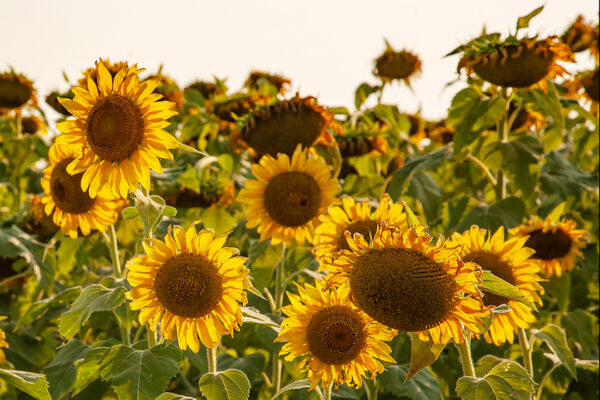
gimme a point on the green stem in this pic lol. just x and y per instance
(503, 130)
(124, 334)
(327, 392)
(279, 289)
(538, 395)
(526, 347)
(211, 354)
(113, 247)
(483, 168)
(371, 388)
(151, 337)
(464, 349)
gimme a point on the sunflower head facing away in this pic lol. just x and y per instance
(287, 196)
(72, 208)
(257, 79)
(400, 65)
(33, 124)
(338, 342)
(168, 88)
(355, 217)
(509, 260)
(52, 101)
(208, 89)
(403, 282)
(118, 131)
(16, 91)
(557, 243)
(191, 284)
(228, 109)
(282, 126)
(581, 36)
(517, 63)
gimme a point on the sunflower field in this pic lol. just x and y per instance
(159, 242)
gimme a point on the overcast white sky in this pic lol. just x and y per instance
(326, 47)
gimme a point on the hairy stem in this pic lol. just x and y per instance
(526, 347)
(211, 353)
(371, 388)
(113, 248)
(483, 168)
(503, 130)
(464, 349)
(151, 337)
(279, 290)
(327, 392)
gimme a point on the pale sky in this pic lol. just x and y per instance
(326, 47)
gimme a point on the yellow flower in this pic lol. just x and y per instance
(338, 342)
(280, 127)
(72, 208)
(287, 197)
(189, 283)
(3, 343)
(33, 124)
(556, 243)
(397, 65)
(402, 281)
(118, 131)
(16, 91)
(509, 260)
(355, 218)
(517, 63)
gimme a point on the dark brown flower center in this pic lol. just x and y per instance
(493, 263)
(336, 335)
(403, 289)
(115, 128)
(521, 67)
(592, 87)
(395, 65)
(188, 285)
(66, 190)
(281, 127)
(29, 125)
(292, 198)
(367, 228)
(13, 93)
(549, 245)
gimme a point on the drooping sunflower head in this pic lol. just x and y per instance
(118, 131)
(52, 101)
(191, 284)
(283, 125)
(16, 91)
(526, 119)
(39, 224)
(439, 132)
(228, 109)
(517, 63)
(509, 260)
(286, 198)
(187, 198)
(32, 124)
(585, 86)
(168, 88)
(400, 65)
(338, 342)
(208, 89)
(581, 36)
(557, 243)
(72, 208)
(404, 282)
(258, 79)
(354, 217)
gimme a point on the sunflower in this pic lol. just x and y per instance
(397, 65)
(256, 79)
(230, 109)
(3, 343)
(39, 223)
(32, 124)
(581, 36)
(517, 63)
(280, 127)
(113, 69)
(118, 131)
(188, 198)
(286, 198)
(190, 283)
(52, 101)
(71, 207)
(338, 342)
(208, 89)
(168, 88)
(16, 91)
(358, 146)
(355, 217)
(403, 282)
(509, 260)
(556, 243)
(439, 132)
(526, 119)
(585, 86)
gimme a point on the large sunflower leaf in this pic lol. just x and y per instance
(422, 354)
(92, 299)
(561, 177)
(507, 380)
(556, 338)
(301, 384)
(508, 213)
(491, 283)
(173, 396)
(34, 385)
(424, 386)
(62, 372)
(231, 384)
(265, 258)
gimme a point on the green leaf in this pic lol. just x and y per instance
(170, 211)
(190, 149)
(93, 298)
(40, 307)
(579, 325)
(560, 176)
(66, 254)
(34, 385)
(422, 354)
(523, 22)
(130, 212)
(190, 179)
(225, 385)
(252, 315)
(549, 104)
(88, 370)
(173, 396)
(304, 383)
(508, 213)
(507, 380)
(425, 189)
(61, 372)
(402, 177)
(252, 365)
(411, 218)
(150, 209)
(264, 258)
(491, 283)
(556, 339)
(557, 212)
(424, 386)
(470, 114)
(363, 92)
